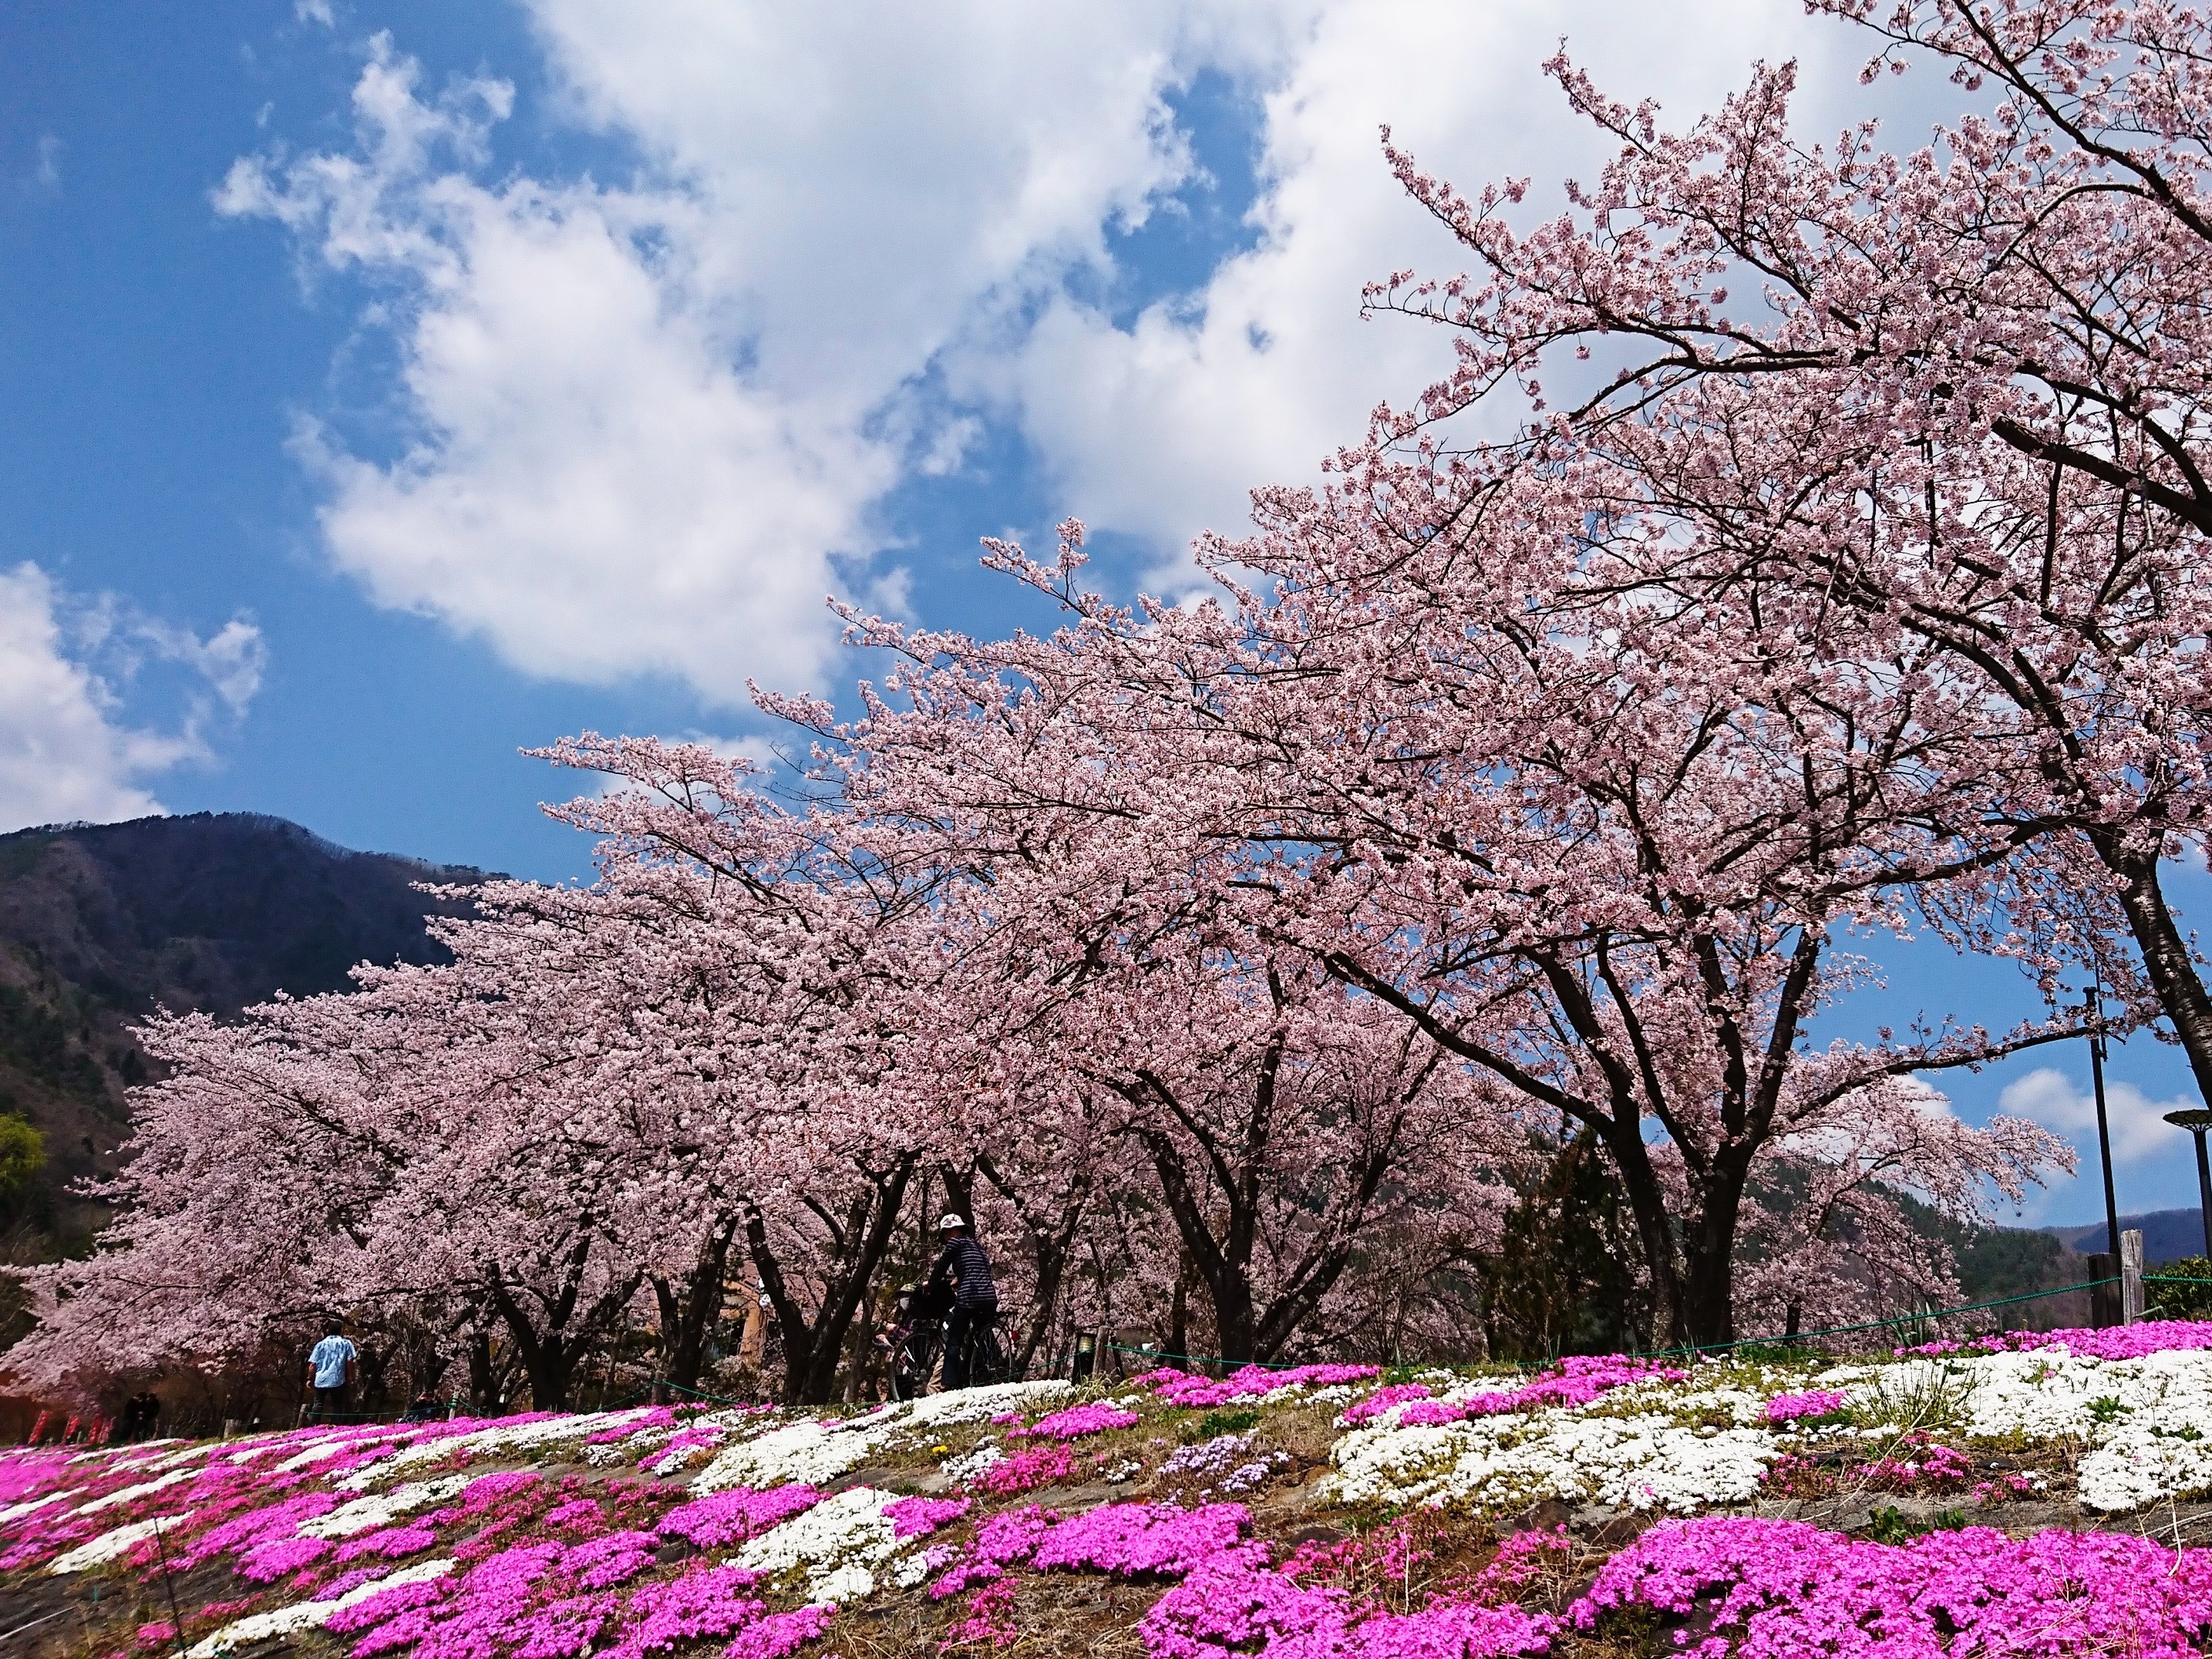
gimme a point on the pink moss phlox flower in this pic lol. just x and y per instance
(495, 1610)
(1520, 1557)
(918, 1518)
(614, 1560)
(27, 1474)
(966, 1575)
(1127, 1539)
(242, 1533)
(390, 1543)
(384, 1606)
(1932, 1465)
(1397, 1394)
(579, 1514)
(2148, 1336)
(1003, 1540)
(730, 1517)
(1796, 1407)
(1094, 1417)
(566, 1628)
(989, 1619)
(1785, 1587)
(713, 1602)
(1235, 1604)
(1232, 1605)
(1578, 1380)
(351, 1579)
(701, 1434)
(487, 1490)
(781, 1634)
(1253, 1382)
(274, 1558)
(1014, 1536)
(1041, 1465)
(660, 1416)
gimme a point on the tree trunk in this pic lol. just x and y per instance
(2166, 961)
(1049, 1249)
(691, 1308)
(1179, 1313)
(812, 1349)
(483, 1381)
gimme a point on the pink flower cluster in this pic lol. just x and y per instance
(730, 1518)
(1129, 1541)
(1396, 1394)
(1094, 1417)
(2119, 1342)
(660, 1416)
(1577, 1381)
(918, 1518)
(1782, 1589)
(1182, 1388)
(1799, 1408)
(1235, 1604)
(1025, 1471)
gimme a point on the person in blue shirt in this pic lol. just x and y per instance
(330, 1373)
(965, 1268)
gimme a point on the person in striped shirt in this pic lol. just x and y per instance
(967, 1269)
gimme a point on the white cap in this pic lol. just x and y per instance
(946, 1221)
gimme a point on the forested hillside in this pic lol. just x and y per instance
(101, 923)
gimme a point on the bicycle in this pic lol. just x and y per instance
(915, 1342)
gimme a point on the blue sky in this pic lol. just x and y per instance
(386, 387)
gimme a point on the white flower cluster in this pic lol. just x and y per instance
(367, 1514)
(131, 1494)
(841, 1540)
(99, 1551)
(966, 1467)
(307, 1615)
(1516, 1459)
(813, 1451)
(2142, 1419)
(502, 1442)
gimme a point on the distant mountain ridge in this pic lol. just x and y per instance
(2169, 1235)
(102, 924)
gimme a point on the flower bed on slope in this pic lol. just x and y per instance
(1925, 1505)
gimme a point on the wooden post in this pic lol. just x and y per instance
(2104, 1295)
(2131, 1266)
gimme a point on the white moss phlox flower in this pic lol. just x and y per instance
(940, 1411)
(1519, 1458)
(128, 1494)
(839, 1541)
(105, 1548)
(365, 1514)
(307, 1615)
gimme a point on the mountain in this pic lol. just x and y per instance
(2169, 1235)
(100, 924)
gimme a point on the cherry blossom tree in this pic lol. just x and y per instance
(1948, 404)
(1598, 850)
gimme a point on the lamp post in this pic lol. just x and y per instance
(2197, 1121)
(2104, 1133)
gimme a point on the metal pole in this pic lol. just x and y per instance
(2204, 1193)
(2104, 1133)
(2196, 1120)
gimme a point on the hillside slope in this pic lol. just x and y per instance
(100, 924)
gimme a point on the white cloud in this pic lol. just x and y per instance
(1161, 428)
(2049, 1096)
(65, 753)
(652, 423)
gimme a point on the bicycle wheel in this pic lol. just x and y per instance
(992, 1362)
